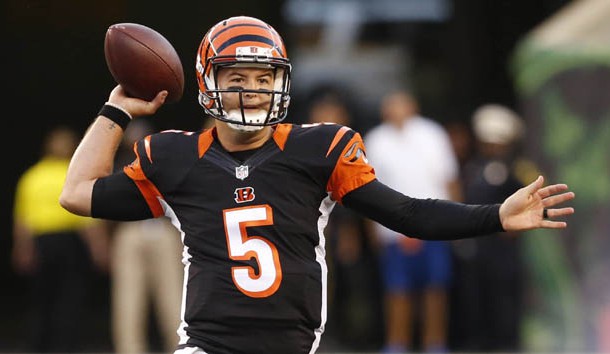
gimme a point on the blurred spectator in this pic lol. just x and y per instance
(146, 272)
(413, 154)
(487, 292)
(355, 319)
(56, 250)
(462, 142)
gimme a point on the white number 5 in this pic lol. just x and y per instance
(244, 247)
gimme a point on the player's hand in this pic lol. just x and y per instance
(531, 207)
(135, 106)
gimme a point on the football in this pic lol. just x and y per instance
(143, 62)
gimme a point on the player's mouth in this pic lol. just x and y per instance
(253, 108)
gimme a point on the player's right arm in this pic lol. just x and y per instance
(94, 155)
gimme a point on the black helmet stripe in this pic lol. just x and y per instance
(248, 38)
(237, 25)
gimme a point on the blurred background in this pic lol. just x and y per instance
(547, 60)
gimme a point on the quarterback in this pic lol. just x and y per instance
(251, 197)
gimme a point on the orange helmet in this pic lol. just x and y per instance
(246, 42)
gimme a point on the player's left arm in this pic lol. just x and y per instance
(353, 183)
(428, 219)
(432, 219)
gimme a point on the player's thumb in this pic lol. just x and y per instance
(535, 185)
(157, 101)
(161, 96)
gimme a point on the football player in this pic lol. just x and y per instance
(251, 197)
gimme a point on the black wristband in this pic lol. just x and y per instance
(115, 114)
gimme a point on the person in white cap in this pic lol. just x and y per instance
(489, 270)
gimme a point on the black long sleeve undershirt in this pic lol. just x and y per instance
(427, 219)
(109, 199)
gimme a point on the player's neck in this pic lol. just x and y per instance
(234, 140)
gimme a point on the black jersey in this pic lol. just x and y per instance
(254, 249)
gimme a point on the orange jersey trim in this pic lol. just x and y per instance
(147, 188)
(205, 141)
(280, 136)
(151, 195)
(336, 139)
(351, 171)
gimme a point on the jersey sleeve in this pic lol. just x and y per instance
(116, 197)
(427, 219)
(162, 160)
(135, 171)
(352, 169)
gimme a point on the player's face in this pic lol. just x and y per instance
(248, 79)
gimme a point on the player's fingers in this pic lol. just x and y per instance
(558, 212)
(535, 186)
(557, 199)
(116, 92)
(552, 189)
(161, 96)
(153, 106)
(550, 224)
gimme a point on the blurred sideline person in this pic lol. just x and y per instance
(487, 294)
(252, 196)
(57, 251)
(146, 271)
(355, 319)
(413, 154)
(462, 141)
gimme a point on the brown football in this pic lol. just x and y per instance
(143, 61)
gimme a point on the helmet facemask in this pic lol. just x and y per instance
(212, 98)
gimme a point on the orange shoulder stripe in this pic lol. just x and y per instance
(336, 139)
(205, 140)
(151, 195)
(281, 135)
(351, 171)
(147, 188)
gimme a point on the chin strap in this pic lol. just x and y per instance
(245, 128)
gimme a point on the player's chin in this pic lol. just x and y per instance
(254, 120)
(250, 115)
(254, 112)
(245, 129)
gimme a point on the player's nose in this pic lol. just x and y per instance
(252, 84)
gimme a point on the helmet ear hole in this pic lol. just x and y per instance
(248, 42)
